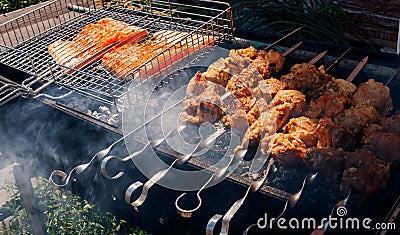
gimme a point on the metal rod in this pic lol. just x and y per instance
(284, 37)
(65, 178)
(188, 213)
(318, 57)
(159, 175)
(394, 76)
(28, 200)
(338, 59)
(253, 187)
(357, 69)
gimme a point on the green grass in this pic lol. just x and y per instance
(64, 213)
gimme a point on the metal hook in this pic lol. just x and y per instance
(236, 205)
(101, 154)
(153, 143)
(188, 213)
(341, 203)
(294, 198)
(159, 175)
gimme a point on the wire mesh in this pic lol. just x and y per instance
(176, 33)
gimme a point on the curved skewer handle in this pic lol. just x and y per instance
(180, 159)
(293, 199)
(152, 143)
(236, 205)
(101, 154)
(188, 213)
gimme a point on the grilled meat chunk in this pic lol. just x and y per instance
(264, 66)
(268, 88)
(198, 85)
(287, 149)
(287, 103)
(333, 99)
(391, 124)
(264, 125)
(242, 93)
(328, 105)
(198, 112)
(384, 145)
(275, 59)
(306, 78)
(334, 136)
(223, 69)
(249, 53)
(374, 94)
(341, 87)
(208, 106)
(265, 62)
(355, 118)
(364, 173)
(237, 120)
(304, 129)
(328, 161)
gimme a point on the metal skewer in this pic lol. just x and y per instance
(357, 69)
(153, 143)
(132, 188)
(284, 37)
(254, 187)
(318, 57)
(293, 199)
(395, 75)
(187, 213)
(159, 175)
(341, 203)
(338, 59)
(101, 154)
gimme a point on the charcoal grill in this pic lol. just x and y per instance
(24, 44)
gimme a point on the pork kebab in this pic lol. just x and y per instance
(320, 121)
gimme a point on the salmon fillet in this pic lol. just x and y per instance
(168, 46)
(92, 39)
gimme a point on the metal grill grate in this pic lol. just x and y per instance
(24, 41)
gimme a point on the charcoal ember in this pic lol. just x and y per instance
(104, 110)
